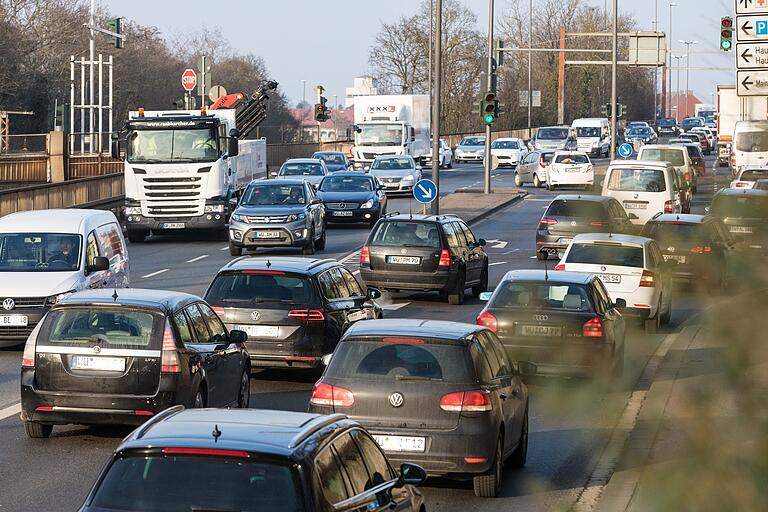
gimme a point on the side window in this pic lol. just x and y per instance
(450, 233)
(480, 363)
(329, 478)
(352, 461)
(91, 248)
(500, 352)
(182, 327)
(198, 324)
(340, 283)
(218, 331)
(468, 233)
(375, 461)
(618, 211)
(327, 286)
(600, 301)
(460, 234)
(110, 244)
(352, 284)
(491, 355)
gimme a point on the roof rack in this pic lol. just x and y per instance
(391, 214)
(317, 263)
(313, 426)
(444, 215)
(157, 418)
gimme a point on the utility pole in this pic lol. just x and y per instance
(487, 159)
(437, 76)
(304, 92)
(530, 54)
(613, 77)
(671, 5)
(677, 94)
(687, 71)
(656, 69)
(91, 56)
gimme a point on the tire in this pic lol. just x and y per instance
(137, 237)
(520, 455)
(667, 315)
(37, 430)
(199, 401)
(518, 180)
(536, 181)
(652, 324)
(482, 285)
(487, 485)
(542, 255)
(457, 297)
(244, 393)
(551, 188)
(309, 247)
(320, 243)
(235, 250)
(450, 164)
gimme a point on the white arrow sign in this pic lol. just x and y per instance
(751, 82)
(752, 55)
(752, 28)
(751, 6)
(499, 244)
(426, 191)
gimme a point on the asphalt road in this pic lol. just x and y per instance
(571, 419)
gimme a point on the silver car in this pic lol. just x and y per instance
(534, 167)
(311, 170)
(470, 149)
(397, 173)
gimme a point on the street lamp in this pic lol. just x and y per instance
(677, 111)
(687, 70)
(671, 5)
(304, 91)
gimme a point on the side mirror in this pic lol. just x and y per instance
(234, 133)
(620, 303)
(527, 368)
(418, 167)
(326, 359)
(237, 336)
(99, 263)
(373, 293)
(486, 296)
(316, 186)
(273, 174)
(481, 242)
(411, 474)
(367, 168)
(233, 148)
(114, 147)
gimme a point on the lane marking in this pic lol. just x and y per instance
(510, 252)
(153, 274)
(198, 258)
(497, 263)
(224, 248)
(11, 410)
(393, 307)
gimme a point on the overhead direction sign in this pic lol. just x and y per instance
(752, 82)
(752, 55)
(425, 191)
(751, 6)
(753, 27)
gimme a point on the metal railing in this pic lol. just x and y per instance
(89, 143)
(95, 192)
(24, 144)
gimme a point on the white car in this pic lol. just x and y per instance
(631, 267)
(311, 170)
(446, 155)
(708, 133)
(509, 151)
(570, 168)
(396, 173)
(748, 175)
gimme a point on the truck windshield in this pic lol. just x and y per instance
(380, 135)
(164, 146)
(39, 252)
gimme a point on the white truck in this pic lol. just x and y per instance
(391, 125)
(183, 168)
(704, 110)
(730, 110)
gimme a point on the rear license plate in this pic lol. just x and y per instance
(565, 241)
(172, 225)
(260, 331)
(342, 214)
(404, 260)
(674, 257)
(572, 169)
(609, 278)
(401, 443)
(740, 229)
(267, 234)
(540, 330)
(14, 320)
(111, 364)
(635, 206)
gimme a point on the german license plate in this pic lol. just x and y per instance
(404, 260)
(740, 229)
(572, 169)
(342, 214)
(609, 278)
(14, 320)
(401, 443)
(172, 225)
(260, 331)
(674, 257)
(540, 330)
(110, 364)
(635, 206)
(267, 234)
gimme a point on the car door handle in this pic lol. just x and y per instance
(503, 396)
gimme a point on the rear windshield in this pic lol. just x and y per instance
(307, 169)
(693, 152)
(673, 156)
(107, 327)
(163, 483)
(547, 157)
(571, 159)
(674, 231)
(637, 180)
(745, 206)
(606, 254)
(566, 208)
(408, 234)
(558, 296)
(400, 361)
(330, 158)
(245, 289)
(552, 133)
(751, 142)
(753, 175)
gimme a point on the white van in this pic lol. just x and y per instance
(46, 255)
(750, 145)
(644, 188)
(593, 135)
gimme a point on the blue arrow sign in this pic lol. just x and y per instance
(626, 150)
(425, 191)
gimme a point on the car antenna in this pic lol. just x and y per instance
(269, 263)
(115, 296)
(546, 271)
(216, 433)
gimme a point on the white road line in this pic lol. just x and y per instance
(510, 252)
(392, 307)
(198, 258)
(11, 410)
(497, 263)
(224, 248)
(533, 257)
(153, 274)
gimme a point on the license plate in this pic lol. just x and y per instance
(357, 315)
(565, 241)
(172, 225)
(635, 206)
(111, 364)
(14, 320)
(541, 330)
(572, 169)
(674, 257)
(404, 260)
(609, 278)
(268, 234)
(342, 214)
(401, 443)
(740, 229)
(260, 331)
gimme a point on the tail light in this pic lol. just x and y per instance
(365, 255)
(742, 184)
(410, 341)
(218, 310)
(445, 258)
(599, 224)
(560, 266)
(28, 359)
(213, 452)
(467, 401)
(541, 162)
(687, 177)
(488, 320)
(308, 315)
(592, 328)
(648, 279)
(588, 169)
(701, 249)
(668, 206)
(169, 360)
(547, 221)
(325, 394)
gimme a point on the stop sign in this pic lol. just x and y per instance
(189, 80)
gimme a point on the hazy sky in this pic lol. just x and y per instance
(327, 42)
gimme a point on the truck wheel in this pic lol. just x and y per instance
(137, 237)
(235, 250)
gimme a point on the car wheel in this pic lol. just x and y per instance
(550, 187)
(37, 430)
(536, 181)
(137, 237)
(457, 297)
(235, 250)
(450, 164)
(542, 255)
(482, 285)
(309, 247)
(652, 324)
(667, 315)
(244, 395)
(518, 180)
(520, 455)
(487, 485)
(199, 402)
(320, 243)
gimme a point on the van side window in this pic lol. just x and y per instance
(91, 248)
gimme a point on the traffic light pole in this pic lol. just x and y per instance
(487, 159)
(613, 77)
(437, 76)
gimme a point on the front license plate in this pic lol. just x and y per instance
(267, 234)
(401, 443)
(674, 257)
(609, 278)
(260, 331)
(110, 364)
(404, 260)
(14, 320)
(635, 206)
(541, 330)
(342, 214)
(740, 229)
(172, 225)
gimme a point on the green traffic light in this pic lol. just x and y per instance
(489, 118)
(725, 45)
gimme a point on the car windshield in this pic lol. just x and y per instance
(753, 174)
(638, 132)
(687, 123)
(674, 231)
(691, 137)
(751, 142)
(571, 159)
(568, 208)
(472, 141)
(330, 158)
(556, 296)
(39, 252)
(346, 184)
(379, 135)
(552, 133)
(505, 144)
(392, 164)
(673, 156)
(108, 327)
(588, 131)
(408, 234)
(159, 146)
(637, 180)
(163, 483)
(301, 169)
(272, 195)
(741, 206)
(393, 361)
(606, 254)
(248, 288)
(667, 122)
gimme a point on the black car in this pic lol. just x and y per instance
(335, 161)
(642, 133)
(570, 215)
(745, 213)
(425, 253)
(213, 459)
(561, 322)
(352, 197)
(293, 310)
(106, 356)
(442, 394)
(668, 127)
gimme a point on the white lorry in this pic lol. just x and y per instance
(183, 168)
(391, 125)
(704, 110)
(730, 110)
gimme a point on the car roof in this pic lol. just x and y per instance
(154, 299)
(641, 163)
(570, 152)
(63, 220)
(278, 264)
(419, 217)
(276, 181)
(303, 161)
(612, 237)
(585, 197)
(441, 329)
(550, 275)
(391, 157)
(328, 153)
(741, 191)
(754, 168)
(351, 173)
(256, 430)
(688, 218)
(660, 146)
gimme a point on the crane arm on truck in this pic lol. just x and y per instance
(251, 110)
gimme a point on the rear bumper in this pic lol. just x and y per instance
(547, 242)
(579, 358)
(576, 178)
(442, 281)
(296, 351)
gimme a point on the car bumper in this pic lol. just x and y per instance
(10, 336)
(392, 188)
(577, 358)
(443, 281)
(558, 243)
(356, 215)
(576, 178)
(469, 157)
(294, 234)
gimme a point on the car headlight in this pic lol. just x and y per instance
(239, 218)
(367, 204)
(408, 178)
(214, 208)
(295, 217)
(54, 299)
(132, 210)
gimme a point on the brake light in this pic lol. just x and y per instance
(560, 266)
(467, 401)
(742, 184)
(592, 328)
(445, 258)
(687, 177)
(599, 224)
(44, 408)
(169, 359)
(668, 206)
(588, 169)
(648, 279)
(541, 162)
(218, 310)
(139, 412)
(412, 341)
(325, 394)
(546, 221)
(206, 451)
(701, 249)
(488, 320)
(365, 255)
(264, 272)
(28, 358)
(308, 315)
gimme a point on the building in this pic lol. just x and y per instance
(362, 86)
(335, 128)
(672, 106)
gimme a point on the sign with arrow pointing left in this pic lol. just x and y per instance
(750, 82)
(752, 28)
(752, 55)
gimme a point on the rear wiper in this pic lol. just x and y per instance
(278, 301)
(416, 245)
(415, 377)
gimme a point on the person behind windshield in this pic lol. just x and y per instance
(295, 196)
(67, 252)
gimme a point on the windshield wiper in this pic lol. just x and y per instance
(415, 377)
(146, 160)
(277, 301)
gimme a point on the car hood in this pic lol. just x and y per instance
(392, 173)
(39, 284)
(500, 151)
(258, 211)
(350, 197)
(470, 148)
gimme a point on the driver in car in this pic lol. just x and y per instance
(67, 252)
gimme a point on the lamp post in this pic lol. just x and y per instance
(687, 71)
(671, 5)
(677, 111)
(304, 91)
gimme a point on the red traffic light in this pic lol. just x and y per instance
(726, 22)
(726, 34)
(490, 96)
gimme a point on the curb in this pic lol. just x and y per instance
(488, 213)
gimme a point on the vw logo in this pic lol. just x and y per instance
(636, 196)
(9, 304)
(396, 399)
(343, 206)
(403, 251)
(96, 349)
(541, 318)
(255, 316)
(602, 268)
(671, 249)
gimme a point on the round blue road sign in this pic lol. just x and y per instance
(626, 150)
(425, 191)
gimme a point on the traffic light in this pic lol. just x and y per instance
(489, 107)
(115, 25)
(620, 110)
(605, 109)
(726, 33)
(321, 110)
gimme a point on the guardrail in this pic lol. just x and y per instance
(84, 166)
(23, 168)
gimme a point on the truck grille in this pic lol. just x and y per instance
(184, 192)
(371, 156)
(338, 206)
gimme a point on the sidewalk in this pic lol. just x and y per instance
(473, 205)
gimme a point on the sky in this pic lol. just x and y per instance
(327, 42)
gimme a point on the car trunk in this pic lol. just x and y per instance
(404, 246)
(568, 217)
(618, 266)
